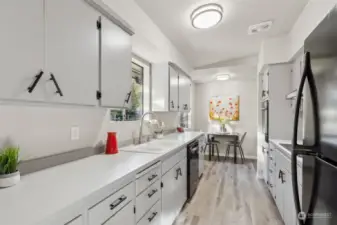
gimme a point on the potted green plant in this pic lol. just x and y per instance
(9, 160)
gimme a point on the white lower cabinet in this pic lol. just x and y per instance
(110, 206)
(124, 216)
(174, 192)
(153, 216)
(283, 190)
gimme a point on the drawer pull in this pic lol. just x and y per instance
(152, 177)
(152, 216)
(154, 191)
(118, 202)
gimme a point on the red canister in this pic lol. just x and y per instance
(111, 144)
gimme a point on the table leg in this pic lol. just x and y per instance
(235, 141)
(209, 149)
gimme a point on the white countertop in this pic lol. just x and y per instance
(285, 151)
(42, 194)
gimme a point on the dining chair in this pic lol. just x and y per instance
(212, 144)
(238, 145)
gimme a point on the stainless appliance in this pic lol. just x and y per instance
(319, 88)
(192, 168)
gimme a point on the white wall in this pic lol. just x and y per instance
(284, 49)
(245, 86)
(45, 130)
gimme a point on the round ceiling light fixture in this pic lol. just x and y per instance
(223, 77)
(206, 16)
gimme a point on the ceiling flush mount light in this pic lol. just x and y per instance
(206, 16)
(223, 77)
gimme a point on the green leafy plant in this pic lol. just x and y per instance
(9, 160)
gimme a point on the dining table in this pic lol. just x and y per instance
(234, 136)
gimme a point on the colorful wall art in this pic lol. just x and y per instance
(224, 108)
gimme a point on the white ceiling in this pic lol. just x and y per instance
(229, 40)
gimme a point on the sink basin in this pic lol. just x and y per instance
(156, 146)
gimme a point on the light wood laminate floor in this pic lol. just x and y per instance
(230, 194)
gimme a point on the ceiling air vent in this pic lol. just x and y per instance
(260, 27)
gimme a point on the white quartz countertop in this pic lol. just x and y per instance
(42, 194)
(285, 151)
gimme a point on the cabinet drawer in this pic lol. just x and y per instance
(126, 216)
(76, 221)
(148, 178)
(147, 199)
(99, 213)
(173, 160)
(153, 216)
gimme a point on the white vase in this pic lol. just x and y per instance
(9, 180)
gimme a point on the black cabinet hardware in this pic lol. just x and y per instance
(58, 89)
(161, 184)
(35, 82)
(152, 216)
(154, 191)
(152, 177)
(127, 99)
(98, 95)
(118, 202)
(178, 173)
(99, 23)
(172, 104)
(280, 176)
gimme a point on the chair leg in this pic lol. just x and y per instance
(217, 149)
(242, 154)
(227, 151)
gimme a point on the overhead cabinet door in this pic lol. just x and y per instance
(174, 76)
(72, 51)
(21, 48)
(116, 78)
(184, 93)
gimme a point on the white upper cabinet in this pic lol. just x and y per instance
(116, 77)
(72, 47)
(21, 48)
(173, 89)
(170, 88)
(184, 93)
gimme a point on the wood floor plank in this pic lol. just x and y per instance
(230, 194)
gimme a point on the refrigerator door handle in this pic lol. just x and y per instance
(313, 150)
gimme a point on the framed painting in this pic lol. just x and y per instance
(224, 108)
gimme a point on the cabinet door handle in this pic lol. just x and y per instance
(35, 82)
(58, 89)
(178, 173)
(152, 193)
(152, 177)
(172, 104)
(280, 176)
(118, 202)
(152, 216)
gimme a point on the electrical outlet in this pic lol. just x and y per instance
(75, 133)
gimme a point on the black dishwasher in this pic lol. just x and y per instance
(192, 168)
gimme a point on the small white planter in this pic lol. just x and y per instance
(9, 180)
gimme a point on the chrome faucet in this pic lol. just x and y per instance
(141, 125)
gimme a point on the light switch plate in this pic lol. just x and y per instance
(75, 133)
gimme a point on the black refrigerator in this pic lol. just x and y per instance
(318, 89)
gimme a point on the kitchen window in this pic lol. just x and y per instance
(139, 100)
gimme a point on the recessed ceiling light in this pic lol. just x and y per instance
(223, 77)
(206, 16)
